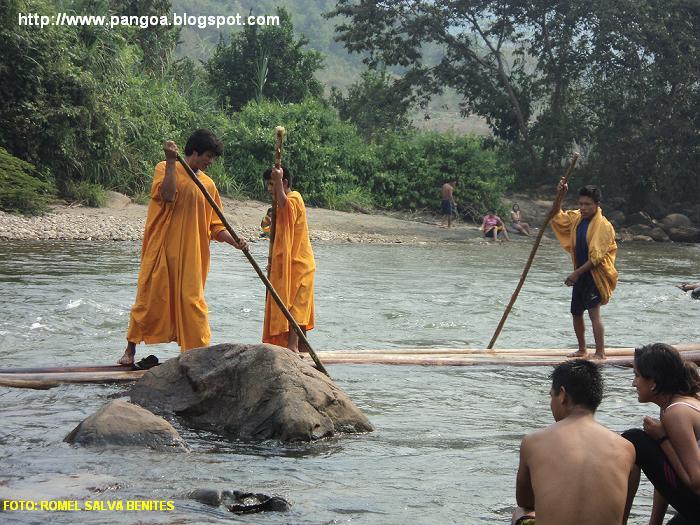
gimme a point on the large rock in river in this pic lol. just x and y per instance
(124, 424)
(250, 391)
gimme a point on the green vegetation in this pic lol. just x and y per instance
(90, 106)
(375, 104)
(268, 62)
(21, 187)
(618, 79)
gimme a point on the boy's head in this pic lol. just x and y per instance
(588, 201)
(286, 178)
(575, 383)
(202, 149)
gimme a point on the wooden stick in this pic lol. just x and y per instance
(557, 205)
(279, 132)
(255, 266)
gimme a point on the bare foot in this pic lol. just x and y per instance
(128, 357)
(598, 357)
(579, 354)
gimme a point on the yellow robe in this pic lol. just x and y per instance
(291, 273)
(602, 248)
(170, 303)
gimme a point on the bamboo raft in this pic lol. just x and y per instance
(45, 378)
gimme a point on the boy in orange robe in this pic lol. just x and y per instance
(293, 267)
(590, 239)
(170, 303)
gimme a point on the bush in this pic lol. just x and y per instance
(21, 191)
(327, 157)
(415, 165)
(87, 193)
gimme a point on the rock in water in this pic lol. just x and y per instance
(695, 294)
(122, 423)
(250, 391)
(240, 502)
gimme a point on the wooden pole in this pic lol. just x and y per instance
(255, 266)
(279, 133)
(557, 205)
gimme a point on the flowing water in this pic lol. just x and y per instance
(445, 449)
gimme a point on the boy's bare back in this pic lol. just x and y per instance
(579, 471)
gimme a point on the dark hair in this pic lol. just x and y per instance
(286, 175)
(591, 191)
(202, 141)
(663, 364)
(582, 381)
(514, 205)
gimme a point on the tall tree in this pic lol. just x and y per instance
(515, 63)
(376, 103)
(266, 61)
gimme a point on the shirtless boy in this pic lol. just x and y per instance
(448, 201)
(574, 472)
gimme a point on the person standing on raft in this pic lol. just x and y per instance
(170, 303)
(590, 239)
(292, 266)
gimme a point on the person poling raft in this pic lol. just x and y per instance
(590, 239)
(292, 265)
(166, 242)
(170, 304)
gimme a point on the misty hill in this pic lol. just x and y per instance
(341, 68)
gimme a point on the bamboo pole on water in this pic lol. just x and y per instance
(557, 205)
(292, 323)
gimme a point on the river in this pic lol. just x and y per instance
(445, 449)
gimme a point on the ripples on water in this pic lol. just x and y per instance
(446, 445)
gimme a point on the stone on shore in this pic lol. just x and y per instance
(639, 229)
(658, 234)
(115, 200)
(640, 217)
(124, 424)
(616, 218)
(251, 392)
(675, 220)
(683, 233)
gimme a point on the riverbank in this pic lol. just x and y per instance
(122, 219)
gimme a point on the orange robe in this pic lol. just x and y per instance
(170, 303)
(291, 273)
(602, 248)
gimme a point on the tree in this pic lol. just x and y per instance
(375, 104)
(517, 64)
(619, 78)
(267, 61)
(157, 42)
(645, 93)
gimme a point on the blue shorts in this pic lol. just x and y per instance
(446, 207)
(585, 295)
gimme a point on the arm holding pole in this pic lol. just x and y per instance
(556, 207)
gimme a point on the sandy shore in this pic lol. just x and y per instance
(124, 220)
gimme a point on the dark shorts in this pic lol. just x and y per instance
(447, 207)
(658, 470)
(489, 232)
(585, 295)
